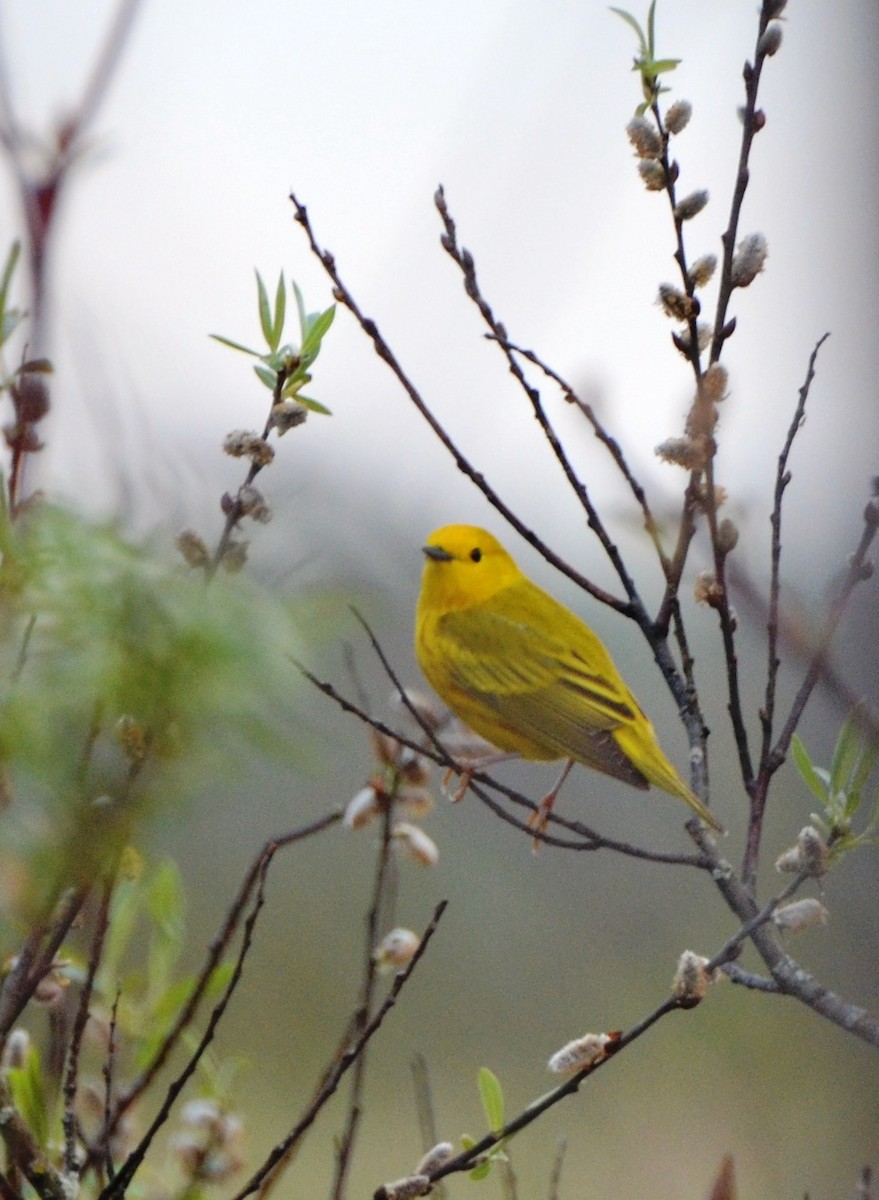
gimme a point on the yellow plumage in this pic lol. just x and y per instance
(524, 672)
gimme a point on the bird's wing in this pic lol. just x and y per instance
(557, 687)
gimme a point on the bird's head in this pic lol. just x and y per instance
(464, 565)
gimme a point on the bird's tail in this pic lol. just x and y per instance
(658, 771)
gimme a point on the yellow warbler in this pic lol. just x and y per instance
(524, 672)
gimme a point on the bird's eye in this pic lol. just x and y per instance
(476, 554)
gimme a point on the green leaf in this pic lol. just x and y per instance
(266, 376)
(314, 405)
(265, 316)
(807, 771)
(280, 312)
(9, 322)
(633, 24)
(317, 325)
(845, 754)
(8, 271)
(218, 337)
(492, 1096)
(658, 66)
(480, 1171)
(651, 28)
(300, 308)
(28, 1087)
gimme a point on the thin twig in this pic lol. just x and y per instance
(343, 296)
(782, 479)
(102, 921)
(118, 1185)
(215, 953)
(344, 1064)
(377, 918)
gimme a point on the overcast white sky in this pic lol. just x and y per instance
(219, 109)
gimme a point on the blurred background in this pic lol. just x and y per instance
(215, 114)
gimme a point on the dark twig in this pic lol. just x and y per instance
(119, 1184)
(216, 950)
(343, 1065)
(343, 296)
(102, 921)
(464, 260)
(376, 919)
(610, 443)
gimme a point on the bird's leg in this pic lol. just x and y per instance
(539, 818)
(468, 768)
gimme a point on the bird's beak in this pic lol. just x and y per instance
(436, 553)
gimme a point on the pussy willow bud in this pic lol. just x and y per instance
(234, 557)
(702, 269)
(692, 980)
(396, 949)
(652, 174)
(416, 801)
(727, 536)
(714, 383)
(748, 259)
(192, 547)
(682, 339)
(691, 453)
(405, 1189)
(706, 589)
(809, 854)
(415, 842)
(361, 809)
(582, 1052)
(690, 206)
(677, 116)
(244, 443)
(17, 1048)
(644, 137)
(677, 304)
(800, 915)
(251, 503)
(770, 41)
(287, 415)
(413, 767)
(435, 1157)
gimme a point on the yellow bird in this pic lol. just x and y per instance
(524, 672)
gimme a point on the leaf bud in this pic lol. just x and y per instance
(800, 915)
(652, 174)
(396, 950)
(692, 980)
(644, 137)
(583, 1052)
(773, 8)
(677, 116)
(748, 259)
(690, 206)
(417, 801)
